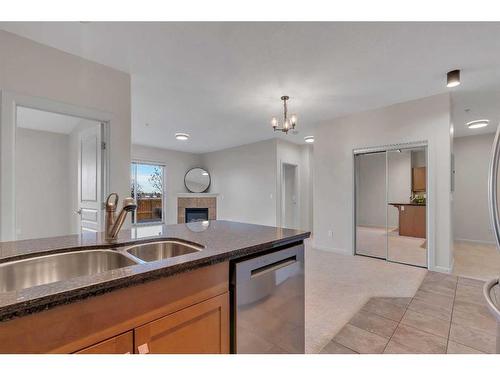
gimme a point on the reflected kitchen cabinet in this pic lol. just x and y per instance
(419, 182)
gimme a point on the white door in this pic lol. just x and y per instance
(90, 179)
(289, 196)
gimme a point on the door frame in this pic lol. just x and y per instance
(429, 196)
(9, 102)
(282, 193)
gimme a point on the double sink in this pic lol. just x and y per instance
(40, 270)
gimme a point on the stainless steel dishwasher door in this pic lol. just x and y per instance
(268, 303)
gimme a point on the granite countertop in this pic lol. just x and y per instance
(222, 241)
(406, 204)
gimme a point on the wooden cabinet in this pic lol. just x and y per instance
(199, 329)
(121, 344)
(190, 308)
(419, 180)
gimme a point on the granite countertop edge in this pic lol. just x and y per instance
(45, 302)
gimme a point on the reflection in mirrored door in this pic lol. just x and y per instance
(406, 206)
(371, 209)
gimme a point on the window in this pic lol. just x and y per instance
(147, 189)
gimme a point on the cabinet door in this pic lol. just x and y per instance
(419, 179)
(199, 329)
(121, 344)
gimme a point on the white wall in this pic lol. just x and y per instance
(42, 174)
(424, 119)
(371, 190)
(34, 69)
(398, 183)
(373, 175)
(245, 178)
(470, 212)
(176, 165)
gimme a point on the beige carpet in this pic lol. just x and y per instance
(373, 241)
(337, 286)
(476, 260)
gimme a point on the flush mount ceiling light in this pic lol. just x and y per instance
(453, 78)
(309, 139)
(478, 124)
(288, 123)
(181, 136)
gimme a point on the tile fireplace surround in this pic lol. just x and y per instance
(196, 201)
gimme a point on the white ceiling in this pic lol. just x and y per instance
(221, 82)
(475, 105)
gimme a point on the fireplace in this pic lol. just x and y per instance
(196, 214)
(189, 202)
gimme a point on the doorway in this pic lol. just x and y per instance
(289, 196)
(391, 204)
(62, 156)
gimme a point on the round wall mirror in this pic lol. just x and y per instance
(197, 180)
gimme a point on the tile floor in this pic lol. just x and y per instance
(337, 286)
(447, 314)
(476, 260)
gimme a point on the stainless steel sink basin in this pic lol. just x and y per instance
(149, 252)
(46, 269)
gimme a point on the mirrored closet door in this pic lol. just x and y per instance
(391, 205)
(371, 211)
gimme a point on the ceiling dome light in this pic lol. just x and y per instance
(478, 124)
(453, 78)
(181, 136)
(309, 139)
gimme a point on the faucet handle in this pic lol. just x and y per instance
(110, 205)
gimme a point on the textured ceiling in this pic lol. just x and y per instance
(221, 82)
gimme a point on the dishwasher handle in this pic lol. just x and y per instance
(273, 267)
(252, 268)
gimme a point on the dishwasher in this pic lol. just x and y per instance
(267, 309)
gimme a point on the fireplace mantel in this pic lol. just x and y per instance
(197, 195)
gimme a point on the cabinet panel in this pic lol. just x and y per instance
(199, 329)
(412, 221)
(121, 344)
(419, 179)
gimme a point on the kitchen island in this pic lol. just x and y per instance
(172, 304)
(412, 219)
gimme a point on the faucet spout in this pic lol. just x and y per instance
(113, 223)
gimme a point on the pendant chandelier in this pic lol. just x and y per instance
(288, 123)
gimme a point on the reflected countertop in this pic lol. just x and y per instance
(222, 241)
(406, 204)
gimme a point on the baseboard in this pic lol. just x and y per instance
(442, 269)
(475, 241)
(333, 250)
